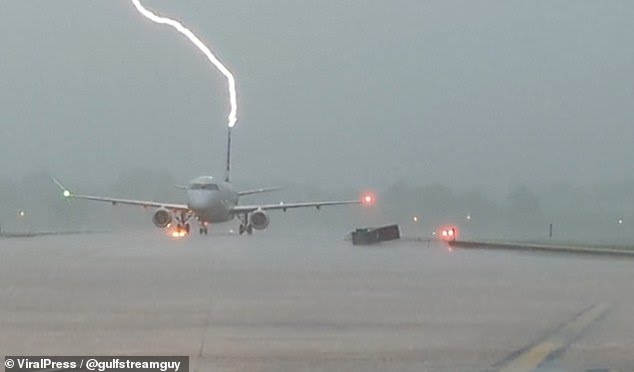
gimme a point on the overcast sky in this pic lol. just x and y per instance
(468, 94)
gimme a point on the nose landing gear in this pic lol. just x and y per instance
(202, 227)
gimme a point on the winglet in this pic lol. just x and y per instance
(65, 192)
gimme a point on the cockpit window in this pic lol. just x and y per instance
(204, 186)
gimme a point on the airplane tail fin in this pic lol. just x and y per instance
(228, 169)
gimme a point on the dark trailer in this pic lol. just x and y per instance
(373, 235)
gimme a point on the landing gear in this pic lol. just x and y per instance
(202, 227)
(182, 225)
(245, 226)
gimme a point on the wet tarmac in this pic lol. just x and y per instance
(308, 300)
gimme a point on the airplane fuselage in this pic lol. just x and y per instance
(211, 200)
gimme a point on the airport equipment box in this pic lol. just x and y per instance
(373, 235)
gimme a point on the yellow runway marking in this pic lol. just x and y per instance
(531, 358)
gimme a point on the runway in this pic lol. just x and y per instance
(285, 300)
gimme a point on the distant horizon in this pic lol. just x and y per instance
(521, 212)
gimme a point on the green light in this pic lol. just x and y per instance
(66, 193)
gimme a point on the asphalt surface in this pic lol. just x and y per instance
(286, 301)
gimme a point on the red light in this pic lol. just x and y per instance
(448, 233)
(368, 199)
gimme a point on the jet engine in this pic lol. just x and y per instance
(162, 218)
(259, 220)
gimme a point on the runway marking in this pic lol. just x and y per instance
(531, 358)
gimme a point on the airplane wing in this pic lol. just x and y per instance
(142, 203)
(240, 209)
(114, 201)
(257, 191)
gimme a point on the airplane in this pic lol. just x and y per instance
(213, 201)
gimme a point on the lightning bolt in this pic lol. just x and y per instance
(231, 81)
